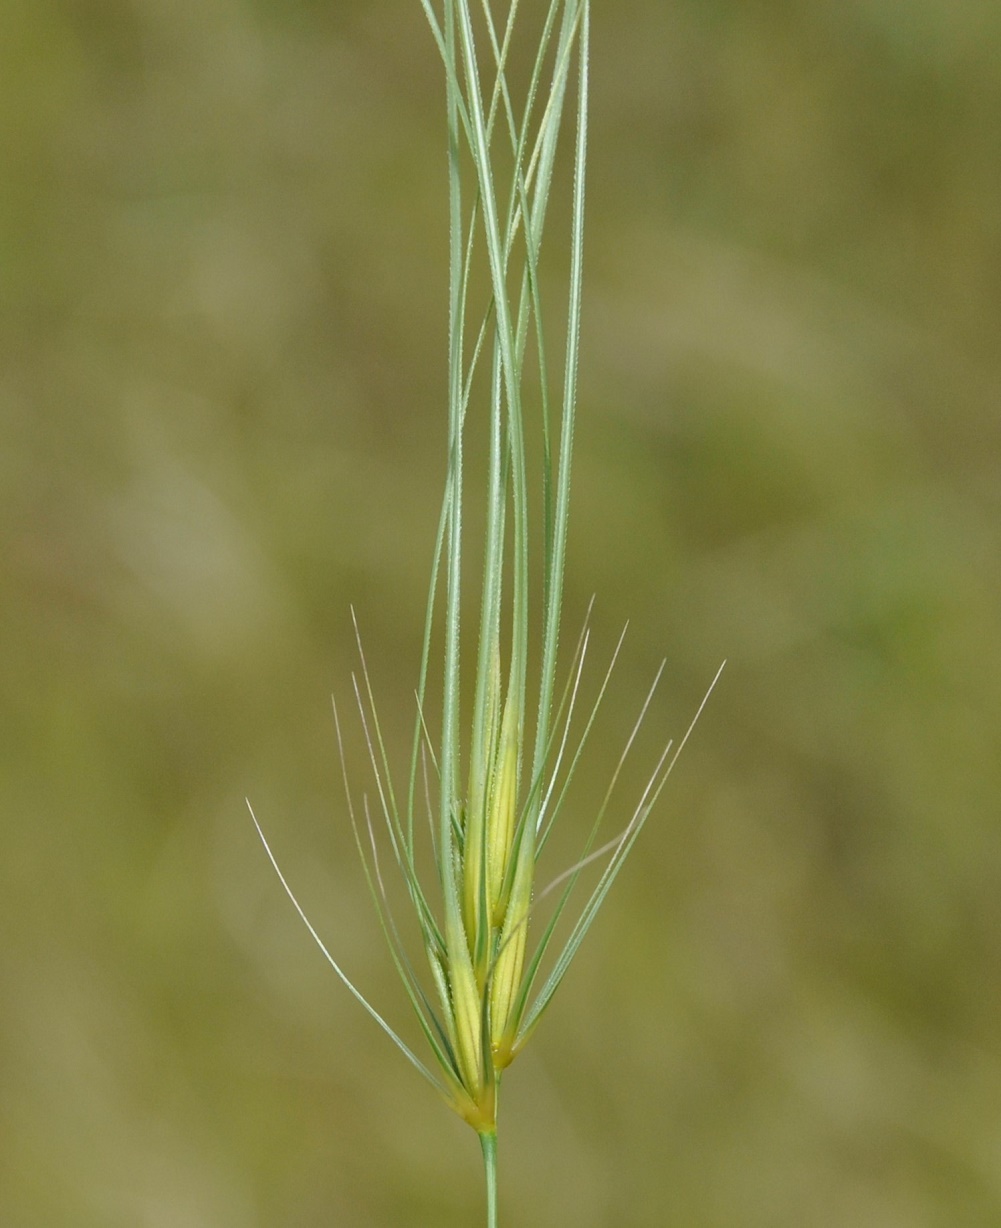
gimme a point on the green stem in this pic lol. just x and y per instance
(488, 1141)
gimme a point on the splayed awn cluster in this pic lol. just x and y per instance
(494, 780)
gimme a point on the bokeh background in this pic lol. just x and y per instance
(222, 235)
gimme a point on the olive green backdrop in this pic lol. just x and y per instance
(222, 236)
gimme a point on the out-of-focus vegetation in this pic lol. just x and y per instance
(222, 372)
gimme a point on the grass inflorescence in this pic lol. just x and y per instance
(485, 790)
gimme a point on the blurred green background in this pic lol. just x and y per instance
(222, 234)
